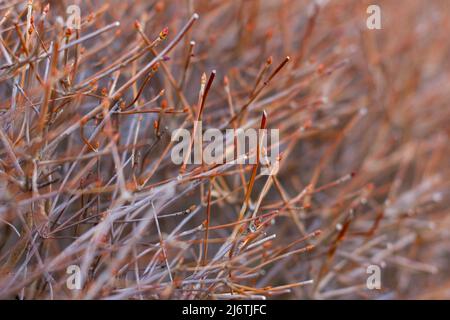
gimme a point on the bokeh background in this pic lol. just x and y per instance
(364, 138)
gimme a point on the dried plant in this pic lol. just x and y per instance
(86, 178)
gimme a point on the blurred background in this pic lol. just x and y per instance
(364, 175)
